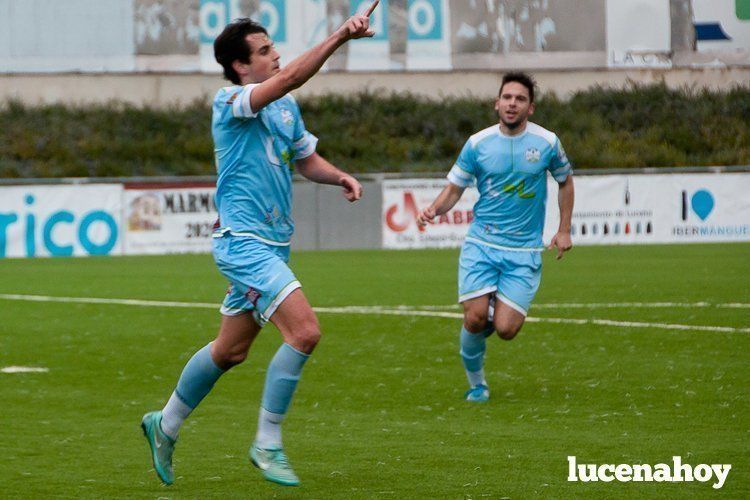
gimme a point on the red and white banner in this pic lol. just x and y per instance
(402, 201)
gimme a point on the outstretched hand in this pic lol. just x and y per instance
(358, 26)
(562, 242)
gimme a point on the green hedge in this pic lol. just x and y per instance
(639, 126)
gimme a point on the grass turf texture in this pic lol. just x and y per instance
(379, 410)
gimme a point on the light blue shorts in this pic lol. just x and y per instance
(258, 274)
(513, 275)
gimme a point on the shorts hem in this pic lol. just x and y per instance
(233, 311)
(476, 293)
(513, 305)
(276, 302)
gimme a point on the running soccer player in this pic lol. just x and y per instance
(259, 139)
(501, 264)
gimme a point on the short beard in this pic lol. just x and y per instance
(514, 125)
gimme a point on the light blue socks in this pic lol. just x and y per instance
(197, 379)
(201, 373)
(473, 346)
(281, 381)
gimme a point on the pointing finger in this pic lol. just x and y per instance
(371, 8)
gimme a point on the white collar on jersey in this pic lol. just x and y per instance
(505, 136)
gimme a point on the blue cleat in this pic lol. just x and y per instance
(478, 394)
(162, 446)
(274, 465)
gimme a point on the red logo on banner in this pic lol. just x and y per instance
(410, 207)
(399, 221)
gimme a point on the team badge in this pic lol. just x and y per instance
(533, 155)
(287, 117)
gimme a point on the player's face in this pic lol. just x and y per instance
(264, 60)
(514, 105)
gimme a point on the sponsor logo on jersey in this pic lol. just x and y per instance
(519, 189)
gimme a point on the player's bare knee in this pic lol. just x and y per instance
(475, 322)
(227, 357)
(506, 330)
(306, 336)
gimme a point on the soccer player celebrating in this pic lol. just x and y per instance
(259, 138)
(501, 264)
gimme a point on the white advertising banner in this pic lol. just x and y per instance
(60, 221)
(657, 209)
(402, 201)
(428, 35)
(609, 209)
(163, 219)
(374, 53)
(213, 15)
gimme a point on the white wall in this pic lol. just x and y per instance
(66, 35)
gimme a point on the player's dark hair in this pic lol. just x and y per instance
(231, 45)
(519, 77)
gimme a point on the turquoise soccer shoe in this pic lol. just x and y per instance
(274, 465)
(162, 446)
(478, 394)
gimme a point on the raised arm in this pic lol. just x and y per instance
(446, 200)
(301, 69)
(565, 199)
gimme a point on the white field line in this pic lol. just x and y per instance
(400, 311)
(618, 305)
(389, 311)
(23, 369)
(122, 302)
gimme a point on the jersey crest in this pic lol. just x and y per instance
(533, 155)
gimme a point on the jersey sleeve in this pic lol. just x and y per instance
(559, 165)
(304, 142)
(463, 173)
(240, 101)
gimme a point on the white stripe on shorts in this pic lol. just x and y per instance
(505, 300)
(478, 293)
(276, 302)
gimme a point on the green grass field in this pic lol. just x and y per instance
(379, 410)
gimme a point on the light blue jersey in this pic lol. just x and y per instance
(511, 175)
(255, 154)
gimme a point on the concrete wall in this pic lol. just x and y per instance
(324, 220)
(166, 89)
(166, 35)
